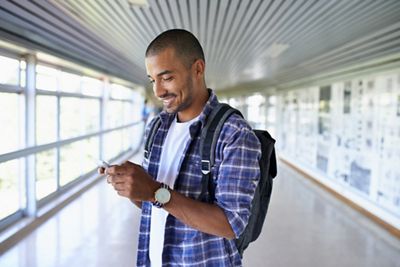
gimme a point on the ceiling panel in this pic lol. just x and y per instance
(246, 42)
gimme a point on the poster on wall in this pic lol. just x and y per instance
(388, 178)
(324, 128)
(306, 149)
(349, 131)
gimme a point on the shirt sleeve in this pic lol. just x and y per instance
(238, 172)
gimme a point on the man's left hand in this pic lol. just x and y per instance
(132, 181)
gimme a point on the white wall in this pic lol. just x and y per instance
(347, 135)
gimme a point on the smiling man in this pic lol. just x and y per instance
(177, 229)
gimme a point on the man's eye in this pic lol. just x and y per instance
(167, 79)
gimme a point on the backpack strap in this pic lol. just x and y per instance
(208, 143)
(150, 137)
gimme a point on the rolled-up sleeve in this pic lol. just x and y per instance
(238, 172)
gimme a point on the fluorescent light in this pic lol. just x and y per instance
(276, 49)
(138, 2)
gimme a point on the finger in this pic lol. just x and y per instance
(123, 193)
(116, 170)
(118, 178)
(119, 186)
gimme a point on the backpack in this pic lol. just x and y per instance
(268, 169)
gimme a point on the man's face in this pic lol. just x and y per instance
(172, 80)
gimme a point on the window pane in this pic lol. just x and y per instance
(113, 144)
(121, 92)
(70, 82)
(128, 113)
(126, 139)
(92, 87)
(114, 114)
(70, 162)
(46, 119)
(91, 115)
(136, 135)
(10, 117)
(46, 180)
(9, 70)
(90, 150)
(137, 105)
(23, 73)
(46, 78)
(11, 187)
(70, 117)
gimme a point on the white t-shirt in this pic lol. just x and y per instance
(174, 145)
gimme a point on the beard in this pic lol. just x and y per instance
(186, 101)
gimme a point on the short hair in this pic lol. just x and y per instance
(185, 44)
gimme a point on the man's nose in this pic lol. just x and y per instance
(158, 89)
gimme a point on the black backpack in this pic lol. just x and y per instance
(268, 169)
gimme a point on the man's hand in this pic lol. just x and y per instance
(131, 181)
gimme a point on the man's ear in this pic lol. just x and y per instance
(199, 67)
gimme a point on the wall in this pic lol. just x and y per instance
(347, 135)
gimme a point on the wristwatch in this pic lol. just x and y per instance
(162, 196)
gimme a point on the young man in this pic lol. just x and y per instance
(177, 229)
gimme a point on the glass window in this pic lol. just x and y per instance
(90, 154)
(22, 73)
(92, 86)
(127, 114)
(46, 180)
(136, 135)
(113, 144)
(91, 115)
(121, 92)
(11, 187)
(70, 83)
(70, 162)
(9, 70)
(71, 119)
(115, 114)
(127, 138)
(46, 78)
(10, 114)
(46, 119)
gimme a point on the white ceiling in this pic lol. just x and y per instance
(248, 43)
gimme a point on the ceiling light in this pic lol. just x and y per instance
(276, 49)
(138, 2)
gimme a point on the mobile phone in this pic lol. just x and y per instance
(103, 163)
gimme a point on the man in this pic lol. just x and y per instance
(176, 228)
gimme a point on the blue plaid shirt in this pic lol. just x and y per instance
(236, 173)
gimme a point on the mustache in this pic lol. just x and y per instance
(166, 95)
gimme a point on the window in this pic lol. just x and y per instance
(71, 119)
(9, 69)
(68, 105)
(70, 162)
(46, 78)
(92, 87)
(90, 115)
(46, 119)
(11, 187)
(70, 83)
(120, 92)
(46, 176)
(10, 117)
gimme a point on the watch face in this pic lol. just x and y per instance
(163, 195)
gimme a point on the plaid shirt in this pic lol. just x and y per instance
(236, 173)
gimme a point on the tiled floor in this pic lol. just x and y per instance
(305, 227)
